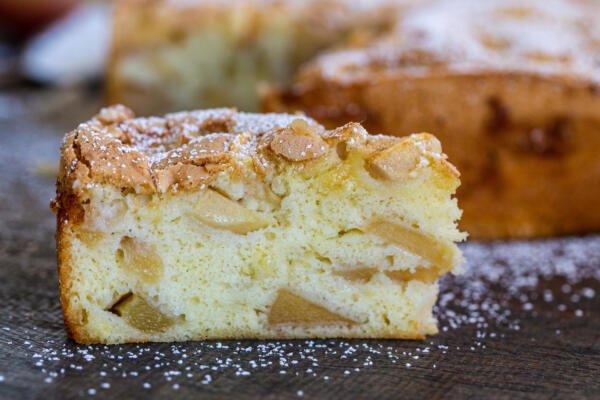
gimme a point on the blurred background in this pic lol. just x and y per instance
(52, 55)
(59, 42)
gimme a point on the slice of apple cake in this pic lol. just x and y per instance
(221, 224)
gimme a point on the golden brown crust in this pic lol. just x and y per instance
(186, 150)
(72, 316)
(523, 126)
(67, 214)
(299, 142)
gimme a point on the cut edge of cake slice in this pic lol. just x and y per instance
(217, 224)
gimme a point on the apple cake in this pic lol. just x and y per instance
(172, 55)
(511, 88)
(221, 224)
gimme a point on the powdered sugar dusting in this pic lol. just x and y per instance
(548, 37)
(262, 123)
(169, 136)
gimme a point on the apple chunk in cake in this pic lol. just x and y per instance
(221, 224)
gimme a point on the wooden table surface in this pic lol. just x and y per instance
(522, 322)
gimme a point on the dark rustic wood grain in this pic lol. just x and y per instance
(531, 347)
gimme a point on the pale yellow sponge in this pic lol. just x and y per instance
(220, 224)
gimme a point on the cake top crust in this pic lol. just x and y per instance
(547, 37)
(186, 150)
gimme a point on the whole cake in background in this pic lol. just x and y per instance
(220, 224)
(510, 87)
